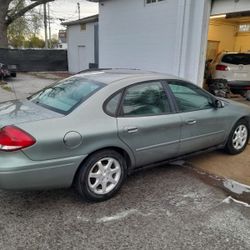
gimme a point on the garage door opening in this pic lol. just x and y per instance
(228, 52)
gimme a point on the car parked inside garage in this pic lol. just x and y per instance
(234, 68)
(92, 129)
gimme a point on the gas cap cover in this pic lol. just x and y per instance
(72, 139)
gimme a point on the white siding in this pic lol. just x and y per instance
(168, 36)
(195, 36)
(80, 41)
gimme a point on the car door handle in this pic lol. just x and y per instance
(131, 130)
(191, 122)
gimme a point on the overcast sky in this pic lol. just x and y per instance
(67, 9)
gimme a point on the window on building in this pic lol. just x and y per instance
(244, 27)
(153, 1)
(83, 26)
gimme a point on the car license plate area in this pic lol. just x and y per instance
(241, 76)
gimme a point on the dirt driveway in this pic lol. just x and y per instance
(220, 163)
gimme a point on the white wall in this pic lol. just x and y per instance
(224, 32)
(194, 35)
(80, 41)
(169, 36)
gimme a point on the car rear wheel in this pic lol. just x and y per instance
(248, 95)
(238, 138)
(101, 176)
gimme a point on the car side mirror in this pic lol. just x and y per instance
(218, 104)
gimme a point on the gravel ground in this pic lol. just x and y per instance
(168, 207)
(161, 208)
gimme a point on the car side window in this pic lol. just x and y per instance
(111, 106)
(189, 97)
(145, 99)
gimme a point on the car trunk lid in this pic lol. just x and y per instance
(23, 111)
(238, 66)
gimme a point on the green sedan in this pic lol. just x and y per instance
(91, 130)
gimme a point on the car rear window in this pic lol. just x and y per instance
(237, 59)
(66, 95)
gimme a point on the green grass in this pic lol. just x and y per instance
(7, 88)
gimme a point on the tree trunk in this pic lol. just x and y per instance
(3, 35)
(3, 24)
(6, 20)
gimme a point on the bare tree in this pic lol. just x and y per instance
(9, 13)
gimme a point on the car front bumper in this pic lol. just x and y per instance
(17, 172)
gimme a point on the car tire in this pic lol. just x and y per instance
(13, 74)
(238, 138)
(248, 95)
(101, 176)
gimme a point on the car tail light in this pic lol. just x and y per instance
(13, 138)
(221, 67)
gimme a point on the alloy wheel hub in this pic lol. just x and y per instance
(104, 175)
(240, 137)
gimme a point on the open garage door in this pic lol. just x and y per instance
(228, 50)
(229, 6)
(229, 27)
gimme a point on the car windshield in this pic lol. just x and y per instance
(237, 59)
(67, 94)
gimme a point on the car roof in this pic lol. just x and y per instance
(109, 76)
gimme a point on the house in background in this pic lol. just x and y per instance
(168, 36)
(62, 39)
(82, 39)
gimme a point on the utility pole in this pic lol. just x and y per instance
(50, 44)
(79, 10)
(45, 25)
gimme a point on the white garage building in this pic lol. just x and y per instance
(82, 39)
(168, 36)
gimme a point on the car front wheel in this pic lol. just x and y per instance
(101, 176)
(238, 138)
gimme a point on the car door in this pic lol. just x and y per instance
(203, 125)
(147, 123)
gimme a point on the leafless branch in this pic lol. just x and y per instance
(14, 16)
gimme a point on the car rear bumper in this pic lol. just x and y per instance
(245, 85)
(17, 172)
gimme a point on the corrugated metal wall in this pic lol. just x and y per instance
(35, 60)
